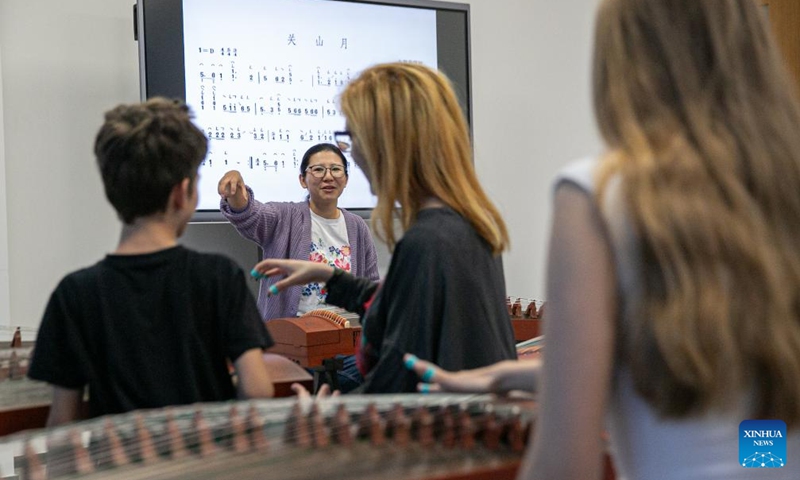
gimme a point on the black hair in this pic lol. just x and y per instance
(323, 147)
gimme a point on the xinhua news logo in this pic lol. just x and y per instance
(762, 443)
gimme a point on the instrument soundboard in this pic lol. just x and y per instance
(351, 437)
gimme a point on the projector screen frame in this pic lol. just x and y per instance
(150, 27)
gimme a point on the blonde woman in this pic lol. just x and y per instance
(443, 297)
(674, 273)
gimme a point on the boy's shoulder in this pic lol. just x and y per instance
(191, 261)
(82, 276)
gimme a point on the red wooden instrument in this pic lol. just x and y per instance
(315, 336)
(526, 320)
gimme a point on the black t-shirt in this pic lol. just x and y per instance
(443, 299)
(147, 331)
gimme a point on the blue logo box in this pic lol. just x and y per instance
(762, 443)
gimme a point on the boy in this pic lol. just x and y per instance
(153, 324)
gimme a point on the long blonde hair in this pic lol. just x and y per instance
(703, 127)
(407, 124)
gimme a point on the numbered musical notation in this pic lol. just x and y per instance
(264, 75)
(331, 78)
(224, 51)
(263, 161)
(261, 117)
(280, 135)
(215, 73)
(274, 105)
(219, 72)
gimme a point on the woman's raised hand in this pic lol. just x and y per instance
(231, 187)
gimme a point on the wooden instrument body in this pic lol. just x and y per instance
(14, 362)
(25, 403)
(308, 340)
(527, 321)
(526, 328)
(287, 448)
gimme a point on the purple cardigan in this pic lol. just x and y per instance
(283, 230)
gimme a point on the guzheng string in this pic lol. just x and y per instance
(177, 467)
(330, 315)
(233, 416)
(118, 436)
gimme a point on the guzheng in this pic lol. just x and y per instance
(14, 362)
(25, 403)
(526, 318)
(352, 437)
(313, 337)
(530, 349)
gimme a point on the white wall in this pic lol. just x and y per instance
(5, 301)
(531, 66)
(64, 63)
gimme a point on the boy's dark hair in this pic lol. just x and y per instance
(322, 147)
(143, 150)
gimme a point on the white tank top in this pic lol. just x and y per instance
(644, 446)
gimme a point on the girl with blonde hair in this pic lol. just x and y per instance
(674, 275)
(443, 298)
